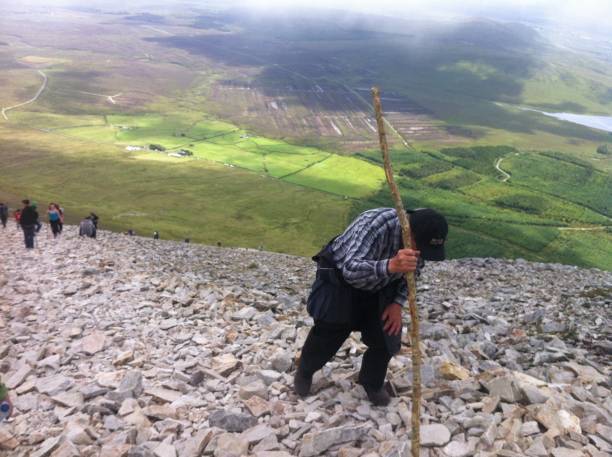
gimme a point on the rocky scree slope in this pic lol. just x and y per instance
(125, 346)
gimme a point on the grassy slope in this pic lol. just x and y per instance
(200, 200)
(150, 191)
(223, 143)
(534, 215)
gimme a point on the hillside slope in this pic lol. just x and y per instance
(130, 346)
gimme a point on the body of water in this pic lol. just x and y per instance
(595, 122)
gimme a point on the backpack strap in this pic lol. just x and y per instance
(326, 267)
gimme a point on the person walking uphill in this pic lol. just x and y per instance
(28, 222)
(360, 285)
(54, 219)
(4, 212)
(89, 226)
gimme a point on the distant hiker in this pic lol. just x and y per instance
(130, 232)
(60, 210)
(87, 227)
(218, 244)
(17, 217)
(38, 223)
(54, 219)
(156, 235)
(28, 220)
(187, 240)
(360, 285)
(3, 214)
(94, 218)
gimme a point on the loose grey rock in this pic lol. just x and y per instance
(17, 378)
(196, 378)
(537, 449)
(246, 313)
(47, 447)
(231, 422)
(164, 450)
(269, 376)
(231, 445)
(565, 452)
(53, 385)
(195, 446)
(505, 387)
(188, 330)
(256, 388)
(257, 433)
(130, 387)
(93, 343)
(318, 442)
(459, 449)
(282, 361)
(533, 395)
(434, 435)
(530, 428)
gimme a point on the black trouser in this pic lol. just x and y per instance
(325, 339)
(3, 220)
(55, 227)
(28, 235)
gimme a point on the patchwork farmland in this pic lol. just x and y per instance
(323, 113)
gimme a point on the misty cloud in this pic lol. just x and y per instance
(578, 12)
(584, 14)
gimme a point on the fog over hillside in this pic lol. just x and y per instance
(593, 15)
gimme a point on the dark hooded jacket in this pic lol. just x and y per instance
(29, 216)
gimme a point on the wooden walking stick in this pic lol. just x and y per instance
(414, 316)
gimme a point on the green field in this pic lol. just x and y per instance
(200, 200)
(221, 142)
(311, 193)
(537, 212)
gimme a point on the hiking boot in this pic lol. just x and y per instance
(378, 397)
(301, 383)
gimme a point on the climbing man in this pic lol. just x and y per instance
(360, 285)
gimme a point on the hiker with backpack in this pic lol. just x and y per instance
(60, 210)
(89, 226)
(54, 219)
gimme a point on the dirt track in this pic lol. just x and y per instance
(506, 176)
(32, 100)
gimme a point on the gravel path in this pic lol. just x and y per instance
(125, 346)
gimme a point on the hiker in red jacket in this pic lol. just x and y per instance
(17, 217)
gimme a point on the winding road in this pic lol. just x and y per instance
(506, 176)
(32, 100)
